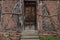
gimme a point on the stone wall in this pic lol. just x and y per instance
(10, 35)
(53, 16)
(10, 28)
(9, 25)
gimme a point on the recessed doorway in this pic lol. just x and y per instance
(30, 15)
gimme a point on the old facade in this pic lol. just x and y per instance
(19, 15)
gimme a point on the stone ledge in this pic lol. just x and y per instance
(48, 35)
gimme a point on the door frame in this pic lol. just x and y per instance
(35, 13)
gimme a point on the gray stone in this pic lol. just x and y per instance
(29, 35)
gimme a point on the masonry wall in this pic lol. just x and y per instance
(52, 7)
(9, 29)
(10, 19)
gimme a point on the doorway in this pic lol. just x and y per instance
(30, 15)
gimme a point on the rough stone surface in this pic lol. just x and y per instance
(9, 36)
(52, 8)
(29, 35)
(9, 21)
